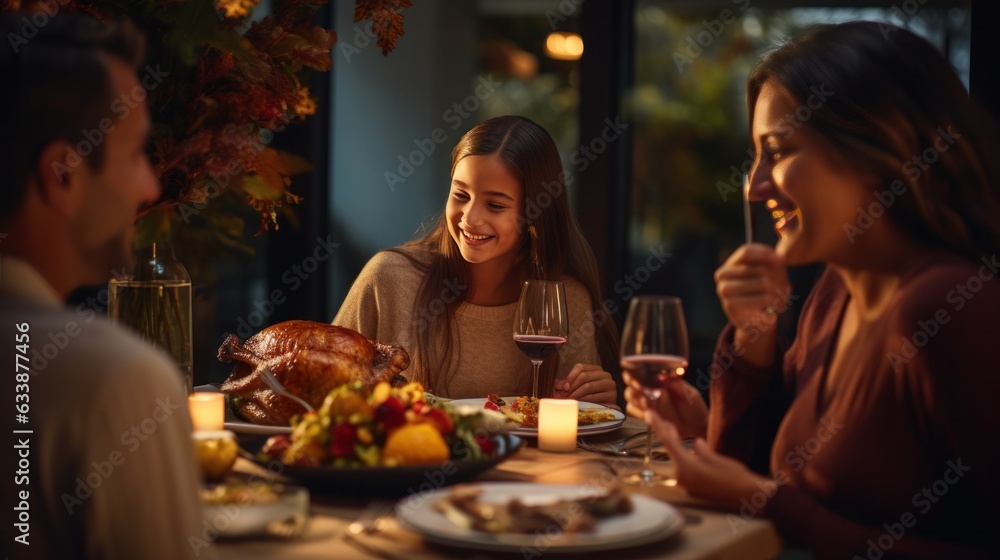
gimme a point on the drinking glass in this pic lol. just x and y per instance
(654, 351)
(541, 323)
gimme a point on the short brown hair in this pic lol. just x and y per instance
(57, 87)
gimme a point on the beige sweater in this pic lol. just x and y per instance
(113, 473)
(380, 305)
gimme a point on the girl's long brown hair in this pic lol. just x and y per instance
(554, 247)
(889, 101)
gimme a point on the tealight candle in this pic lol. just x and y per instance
(208, 410)
(557, 424)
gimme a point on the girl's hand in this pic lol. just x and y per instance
(707, 474)
(590, 383)
(680, 403)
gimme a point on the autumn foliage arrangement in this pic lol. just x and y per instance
(221, 80)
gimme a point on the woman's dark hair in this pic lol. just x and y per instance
(57, 86)
(554, 246)
(890, 104)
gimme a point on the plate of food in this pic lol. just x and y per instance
(519, 517)
(387, 441)
(250, 509)
(522, 411)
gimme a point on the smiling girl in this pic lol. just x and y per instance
(449, 297)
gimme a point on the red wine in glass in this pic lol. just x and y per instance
(538, 347)
(652, 371)
(541, 323)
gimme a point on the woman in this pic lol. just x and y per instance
(873, 418)
(449, 297)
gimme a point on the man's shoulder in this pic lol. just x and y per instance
(75, 340)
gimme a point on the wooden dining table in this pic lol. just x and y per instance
(708, 533)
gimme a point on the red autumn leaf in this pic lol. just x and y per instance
(387, 22)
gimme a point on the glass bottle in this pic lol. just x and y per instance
(154, 300)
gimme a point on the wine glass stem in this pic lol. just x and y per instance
(535, 365)
(648, 457)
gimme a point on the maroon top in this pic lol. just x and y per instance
(900, 458)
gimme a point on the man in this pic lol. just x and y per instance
(105, 467)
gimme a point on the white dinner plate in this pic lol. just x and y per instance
(649, 521)
(587, 430)
(242, 426)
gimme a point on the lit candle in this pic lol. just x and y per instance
(208, 410)
(557, 424)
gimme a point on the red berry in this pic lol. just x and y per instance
(490, 405)
(439, 419)
(485, 443)
(391, 413)
(342, 440)
(276, 446)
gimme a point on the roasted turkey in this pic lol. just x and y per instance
(309, 359)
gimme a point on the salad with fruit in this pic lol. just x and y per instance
(384, 427)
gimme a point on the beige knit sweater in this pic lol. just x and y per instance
(380, 305)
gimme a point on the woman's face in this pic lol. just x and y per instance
(484, 210)
(812, 199)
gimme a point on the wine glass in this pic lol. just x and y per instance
(541, 323)
(654, 352)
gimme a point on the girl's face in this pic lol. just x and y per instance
(812, 199)
(484, 210)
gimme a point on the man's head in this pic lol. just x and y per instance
(76, 127)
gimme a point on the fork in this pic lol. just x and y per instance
(373, 519)
(271, 381)
(629, 452)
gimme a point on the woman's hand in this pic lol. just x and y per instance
(680, 403)
(707, 474)
(590, 383)
(753, 288)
